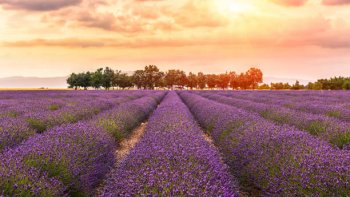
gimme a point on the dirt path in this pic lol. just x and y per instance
(123, 149)
(208, 138)
(129, 143)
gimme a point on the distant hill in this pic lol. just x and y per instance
(33, 82)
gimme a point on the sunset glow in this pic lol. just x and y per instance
(285, 38)
(234, 7)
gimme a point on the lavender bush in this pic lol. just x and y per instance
(13, 131)
(70, 159)
(120, 120)
(278, 160)
(172, 159)
(329, 129)
(75, 156)
(335, 106)
(29, 119)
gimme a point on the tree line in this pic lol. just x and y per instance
(335, 83)
(152, 78)
(282, 86)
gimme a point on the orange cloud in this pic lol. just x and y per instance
(103, 42)
(142, 18)
(198, 14)
(298, 32)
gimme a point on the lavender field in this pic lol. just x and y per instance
(195, 143)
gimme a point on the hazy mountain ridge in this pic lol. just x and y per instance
(33, 82)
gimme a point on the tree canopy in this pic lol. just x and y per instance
(151, 77)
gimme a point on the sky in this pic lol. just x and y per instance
(294, 39)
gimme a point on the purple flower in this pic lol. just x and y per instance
(171, 159)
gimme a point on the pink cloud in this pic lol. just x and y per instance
(335, 2)
(291, 3)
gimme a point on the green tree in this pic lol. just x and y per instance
(314, 86)
(223, 80)
(297, 86)
(202, 80)
(97, 78)
(280, 86)
(84, 80)
(107, 78)
(138, 79)
(254, 77)
(234, 80)
(182, 79)
(72, 81)
(243, 81)
(212, 81)
(346, 85)
(264, 87)
(152, 76)
(334, 83)
(192, 80)
(161, 82)
(125, 81)
(170, 78)
(175, 77)
(116, 78)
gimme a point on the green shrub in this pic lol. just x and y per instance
(316, 127)
(69, 118)
(112, 127)
(37, 124)
(53, 107)
(341, 140)
(334, 113)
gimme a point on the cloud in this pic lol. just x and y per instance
(199, 14)
(298, 3)
(335, 2)
(130, 17)
(189, 23)
(147, 0)
(38, 5)
(103, 42)
(290, 3)
(315, 30)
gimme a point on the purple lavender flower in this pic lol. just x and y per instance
(70, 159)
(326, 128)
(278, 160)
(172, 159)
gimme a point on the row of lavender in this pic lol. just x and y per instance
(339, 108)
(73, 158)
(274, 159)
(32, 115)
(329, 129)
(18, 103)
(334, 97)
(172, 159)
